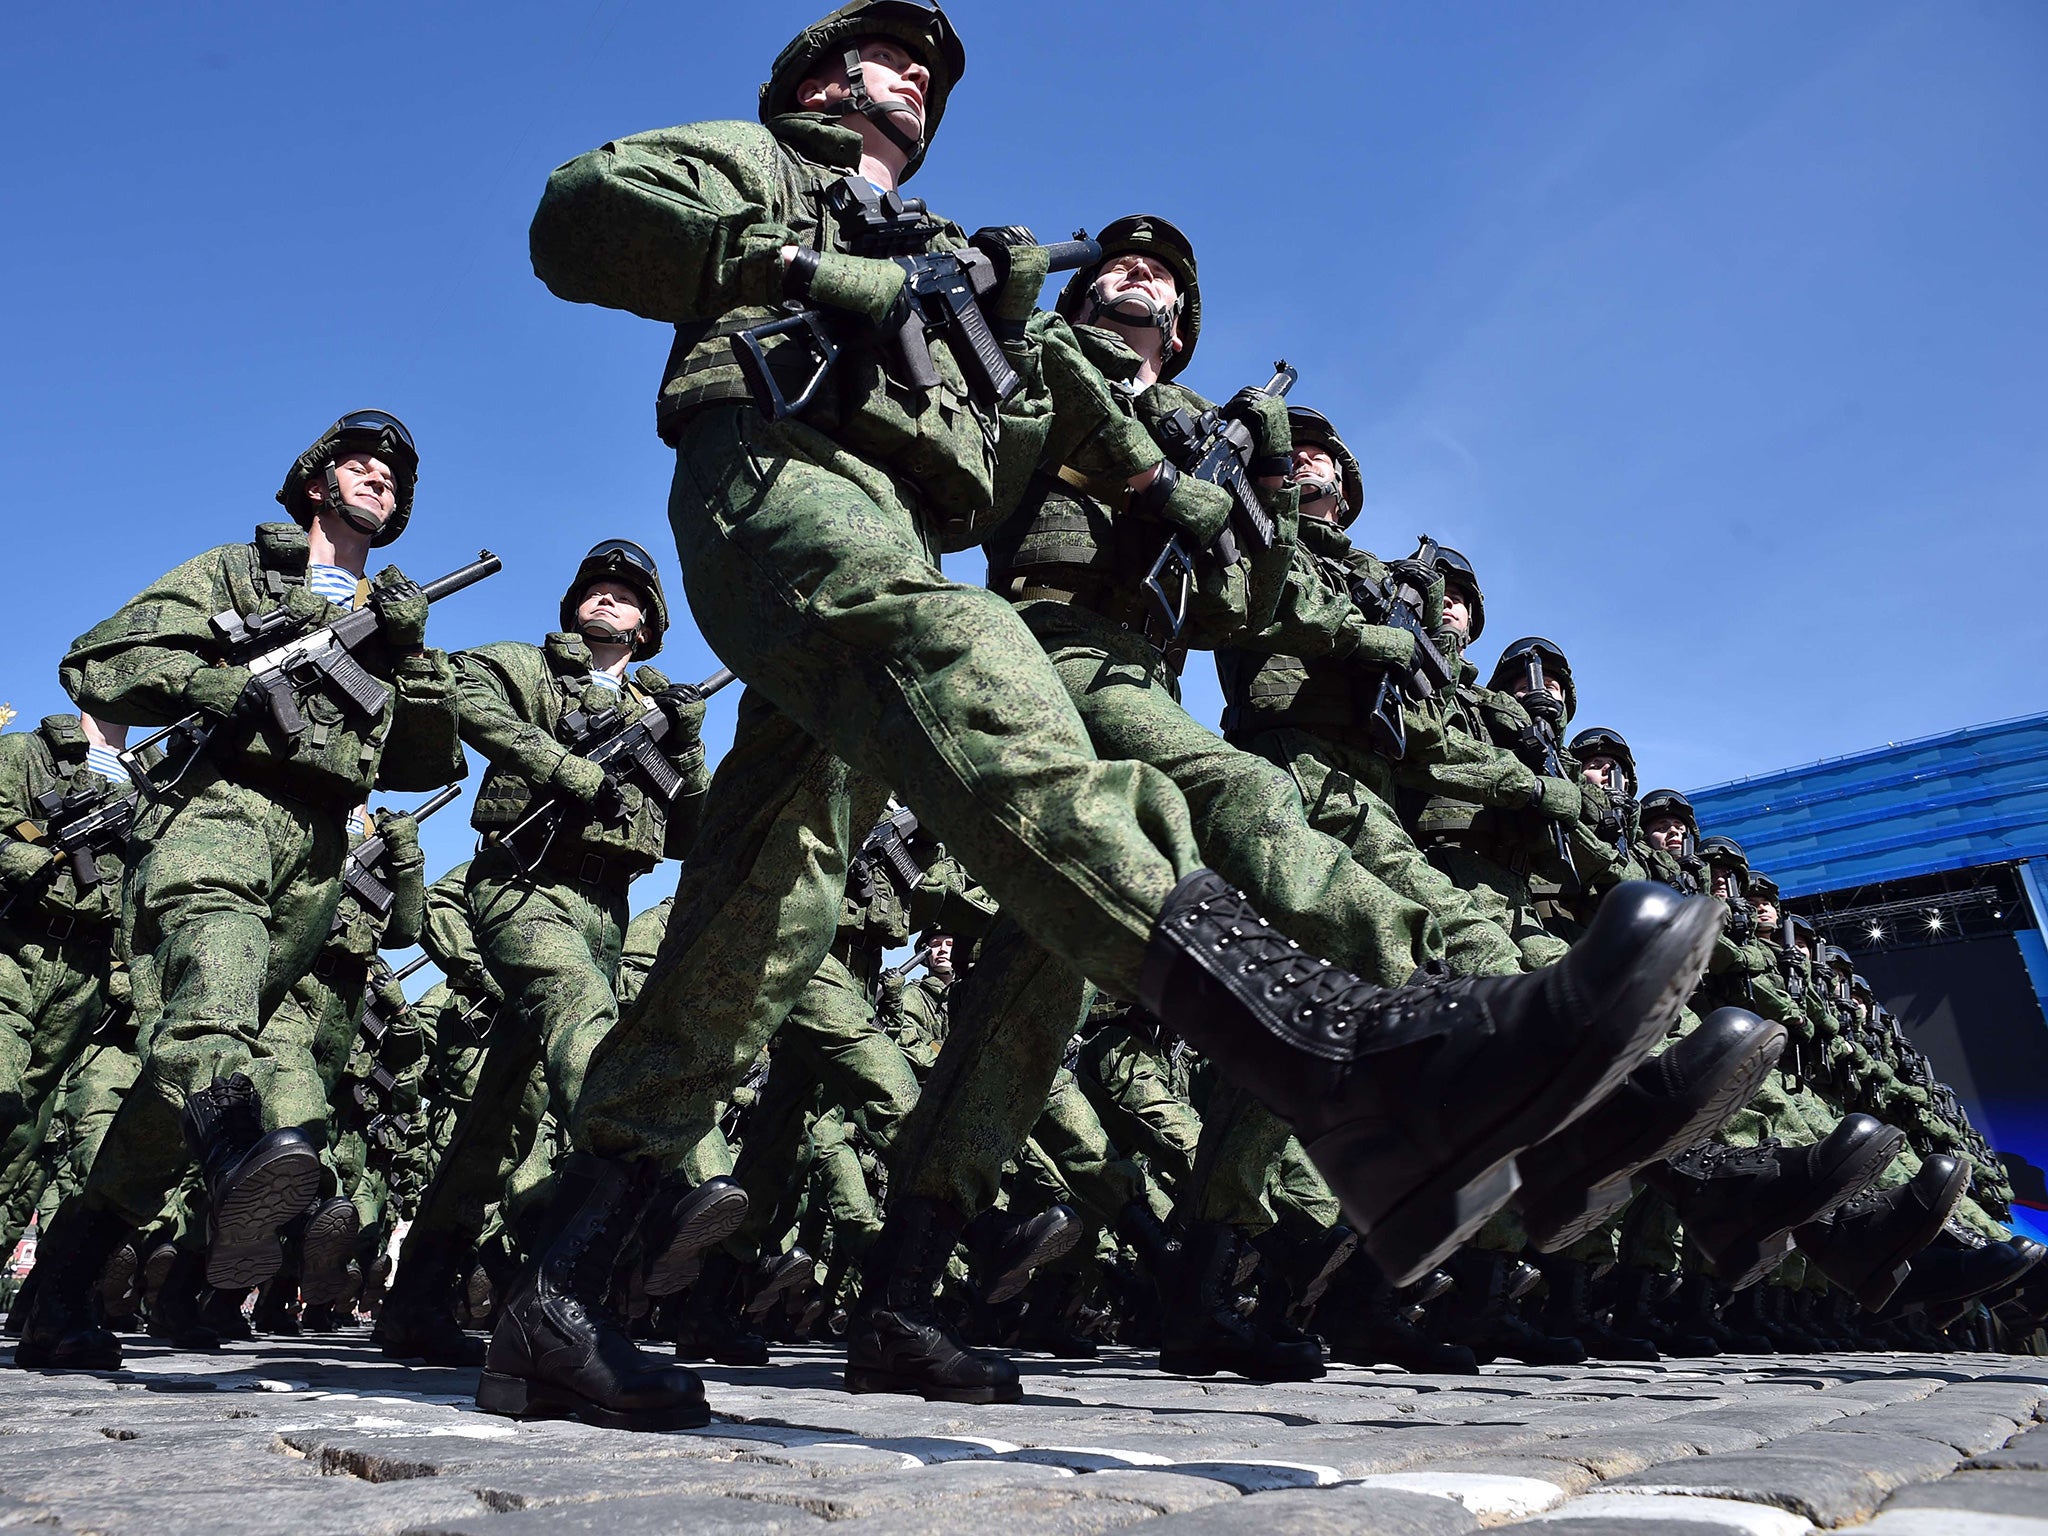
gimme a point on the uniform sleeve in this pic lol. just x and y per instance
(447, 936)
(21, 862)
(402, 929)
(658, 225)
(487, 697)
(135, 667)
(636, 956)
(1465, 766)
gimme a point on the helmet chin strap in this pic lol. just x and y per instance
(880, 113)
(1136, 309)
(358, 519)
(1315, 488)
(597, 632)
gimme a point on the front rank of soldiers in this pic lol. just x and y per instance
(1389, 1022)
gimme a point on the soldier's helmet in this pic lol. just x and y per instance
(1763, 887)
(920, 26)
(1313, 429)
(1145, 234)
(1602, 741)
(377, 433)
(1660, 803)
(1457, 571)
(1511, 672)
(1724, 851)
(622, 560)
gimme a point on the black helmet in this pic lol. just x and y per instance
(1312, 429)
(378, 433)
(1512, 670)
(919, 25)
(1601, 741)
(1457, 570)
(624, 561)
(1725, 851)
(1668, 802)
(1763, 887)
(1147, 235)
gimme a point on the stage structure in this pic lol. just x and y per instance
(1928, 861)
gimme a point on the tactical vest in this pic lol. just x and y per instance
(938, 443)
(55, 759)
(554, 686)
(1512, 838)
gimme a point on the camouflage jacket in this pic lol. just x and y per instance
(686, 225)
(515, 699)
(136, 668)
(32, 763)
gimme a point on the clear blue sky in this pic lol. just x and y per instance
(1716, 334)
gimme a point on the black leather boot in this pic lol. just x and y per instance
(1867, 1245)
(1148, 1237)
(1007, 1250)
(417, 1318)
(1951, 1270)
(59, 1330)
(1364, 1325)
(1480, 1315)
(1741, 1204)
(1673, 1328)
(326, 1250)
(118, 1289)
(24, 1298)
(1581, 1176)
(709, 1326)
(1052, 1304)
(1202, 1330)
(221, 1310)
(1571, 1313)
(896, 1341)
(276, 1314)
(255, 1183)
(1745, 1316)
(557, 1351)
(1413, 1101)
(1300, 1260)
(773, 1279)
(175, 1315)
(683, 1224)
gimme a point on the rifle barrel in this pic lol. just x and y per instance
(411, 966)
(485, 564)
(440, 801)
(715, 681)
(1069, 255)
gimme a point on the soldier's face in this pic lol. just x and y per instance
(941, 958)
(611, 603)
(1666, 834)
(1767, 914)
(367, 484)
(892, 74)
(1721, 884)
(1314, 463)
(1457, 613)
(1132, 273)
(1603, 771)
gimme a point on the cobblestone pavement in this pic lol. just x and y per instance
(307, 1437)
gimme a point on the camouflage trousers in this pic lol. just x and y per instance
(1020, 1006)
(225, 909)
(1349, 795)
(1505, 897)
(73, 1125)
(816, 578)
(1130, 1076)
(53, 993)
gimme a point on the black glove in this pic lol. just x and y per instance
(1545, 706)
(683, 703)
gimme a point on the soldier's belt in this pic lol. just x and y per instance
(607, 871)
(1105, 599)
(1112, 495)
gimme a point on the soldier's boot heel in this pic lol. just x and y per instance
(682, 1225)
(1867, 1246)
(255, 1183)
(556, 1349)
(1413, 1101)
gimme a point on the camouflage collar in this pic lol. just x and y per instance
(1112, 356)
(1323, 538)
(568, 654)
(65, 738)
(819, 139)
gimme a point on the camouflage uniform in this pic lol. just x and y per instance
(237, 871)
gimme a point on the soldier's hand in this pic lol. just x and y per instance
(683, 703)
(1545, 706)
(580, 777)
(864, 285)
(402, 836)
(226, 693)
(1021, 265)
(1266, 415)
(401, 609)
(1557, 798)
(1196, 507)
(23, 863)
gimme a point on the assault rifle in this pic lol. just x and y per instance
(78, 827)
(1788, 959)
(889, 843)
(921, 957)
(620, 747)
(1394, 602)
(288, 661)
(943, 292)
(1540, 738)
(374, 1025)
(362, 872)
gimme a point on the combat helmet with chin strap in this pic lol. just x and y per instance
(920, 26)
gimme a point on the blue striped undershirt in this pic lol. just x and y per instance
(105, 762)
(332, 583)
(606, 680)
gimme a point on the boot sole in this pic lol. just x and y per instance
(1426, 1225)
(865, 1379)
(677, 1266)
(1563, 1220)
(763, 1300)
(1057, 1246)
(515, 1397)
(1748, 1261)
(242, 1247)
(329, 1244)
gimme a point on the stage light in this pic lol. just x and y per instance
(1934, 922)
(1876, 933)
